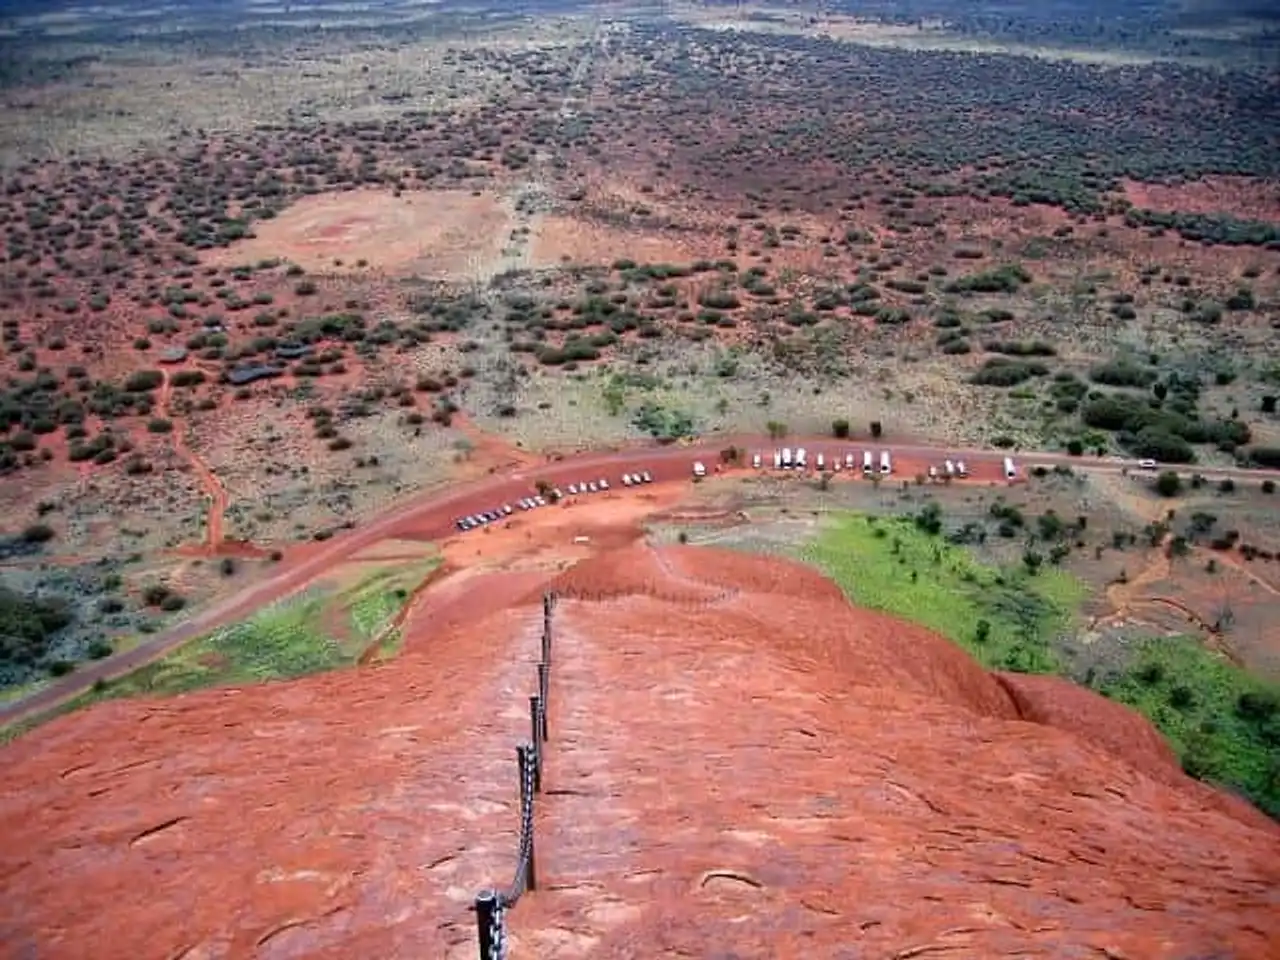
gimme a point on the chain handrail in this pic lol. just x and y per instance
(492, 905)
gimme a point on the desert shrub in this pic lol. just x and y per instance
(144, 381)
(1003, 372)
(30, 623)
(1005, 279)
(1160, 445)
(160, 425)
(1122, 373)
(187, 378)
(1264, 456)
(1020, 348)
(1168, 484)
(38, 533)
(172, 603)
(840, 428)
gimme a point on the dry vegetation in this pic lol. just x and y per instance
(250, 278)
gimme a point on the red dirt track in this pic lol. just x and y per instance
(740, 764)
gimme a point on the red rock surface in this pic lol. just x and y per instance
(741, 765)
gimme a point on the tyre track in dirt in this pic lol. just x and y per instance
(210, 485)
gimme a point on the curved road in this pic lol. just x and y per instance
(434, 514)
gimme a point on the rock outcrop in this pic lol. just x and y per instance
(740, 765)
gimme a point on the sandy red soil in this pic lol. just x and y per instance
(739, 761)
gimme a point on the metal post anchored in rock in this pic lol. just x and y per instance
(489, 925)
(544, 692)
(528, 771)
(535, 728)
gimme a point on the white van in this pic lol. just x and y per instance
(1010, 471)
(777, 459)
(866, 461)
(886, 465)
(950, 468)
(800, 458)
(698, 469)
(755, 461)
(848, 460)
(821, 462)
(786, 458)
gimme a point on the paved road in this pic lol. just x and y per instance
(434, 514)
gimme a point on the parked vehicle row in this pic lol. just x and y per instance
(871, 462)
(486, 517)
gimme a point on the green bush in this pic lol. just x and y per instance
(1003, 372)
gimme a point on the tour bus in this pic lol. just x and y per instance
(866, 461)
(786, 458)
(848, 460)
(820, 462)
(950, 468)
(961, 469)
(777, 459)
(755, 461)
(800, 458)
(1010, 471)
(886, 466)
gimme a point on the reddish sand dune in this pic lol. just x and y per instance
(740, 765)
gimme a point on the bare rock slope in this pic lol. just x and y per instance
(741, 765)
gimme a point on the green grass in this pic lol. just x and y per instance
(284, 640)
(1191, 695)
(873, 559)
(1194, 697)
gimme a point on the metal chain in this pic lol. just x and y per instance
(498, 933)
(507, 899)
(521, 880)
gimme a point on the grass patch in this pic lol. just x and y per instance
(282, 641)
(1223, 722)
(1005, 619)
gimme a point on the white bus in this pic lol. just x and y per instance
(866, 461)
(950, 468)
(777, 459)
(786, 458)
(800, 458)
(820, 462)
(848, 460)
(1010, 471)
(886, 465)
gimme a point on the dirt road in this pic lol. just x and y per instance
(435, 517)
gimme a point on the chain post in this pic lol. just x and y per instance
(528, 773)
(544, 690)
(489, 925)
(535, 728)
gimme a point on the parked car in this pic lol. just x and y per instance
(647, 477)
(755, 461)
(604, 484)
(573, 489)
(961, 469)
(699, 469)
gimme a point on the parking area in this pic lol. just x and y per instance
(873, 463)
